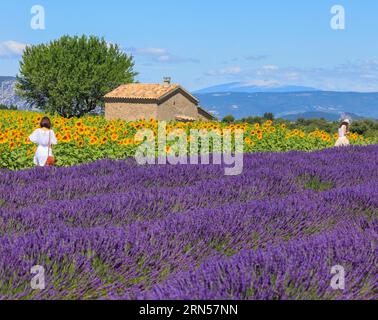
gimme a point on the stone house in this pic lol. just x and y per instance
(162, 102)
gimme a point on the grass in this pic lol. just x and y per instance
(315, 183)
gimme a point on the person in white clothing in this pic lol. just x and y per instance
(343, 133)
(42, 137)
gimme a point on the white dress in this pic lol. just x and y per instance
(41, 137)
(343, 140)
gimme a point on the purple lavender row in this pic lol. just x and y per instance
(96, 180)
(92, 253)
(141, 253)
(124, 208)
(297, 270)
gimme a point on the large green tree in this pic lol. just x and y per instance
(70, 76)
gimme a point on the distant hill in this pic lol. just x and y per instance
(7, 93)
(5, 78)
(319, 115)
(246, 87)
(290, 105)
(242, 104)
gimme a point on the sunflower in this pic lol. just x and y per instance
(67, 138)
(247, 140)
(58, 136)
(81, 130)
(127, 142)
(93, 141)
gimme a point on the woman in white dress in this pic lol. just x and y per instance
(42, 136)
(343, 132)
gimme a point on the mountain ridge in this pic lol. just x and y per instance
(242, 105)
(315, 102)
(254, 87)
(320, 115)
(8, 95)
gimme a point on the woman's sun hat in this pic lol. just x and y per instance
(346, 121)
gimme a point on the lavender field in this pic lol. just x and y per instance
(115, 230)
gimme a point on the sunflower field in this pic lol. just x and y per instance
(84, 140)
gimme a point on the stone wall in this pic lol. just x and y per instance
(130, 111)
(178, 105)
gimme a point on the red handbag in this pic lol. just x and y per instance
(50, 159)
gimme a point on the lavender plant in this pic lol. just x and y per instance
(115, 230)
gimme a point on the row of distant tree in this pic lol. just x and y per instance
(366, 127)
(267, 116)
(5, 107)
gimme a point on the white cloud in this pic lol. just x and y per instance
(159, 55)
(252, 57)
(359, 75)
(256, 57)
(168, 58)
(269, 67)
(147, 51)
(266, 70)
(225, 72)
(11, 49)
(292, 75)
(351, 76)
(261, 83)
(214, 112)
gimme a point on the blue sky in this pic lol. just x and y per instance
(203, 43)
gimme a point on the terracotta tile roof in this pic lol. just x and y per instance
(142, 91)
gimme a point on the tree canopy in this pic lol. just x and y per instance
(70, 76)
(229, 119)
